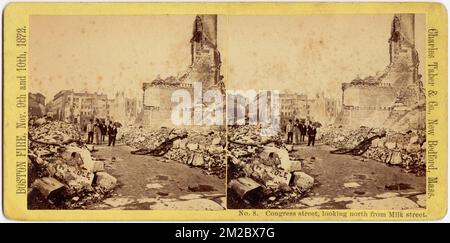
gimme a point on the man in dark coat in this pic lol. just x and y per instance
(312, 131)
(302, 132)
(103, 130)
(112, 135)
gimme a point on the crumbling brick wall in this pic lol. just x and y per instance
(395, 93)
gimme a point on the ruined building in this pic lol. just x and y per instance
(36, 104)
(124, 108)
(394, 97)
(204, 68)
(205, 65)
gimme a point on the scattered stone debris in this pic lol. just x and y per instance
(248, 189)
(303, 181)
(106, 181)
(260, 170)
(61, 172)
(404, 149)
(197, 148)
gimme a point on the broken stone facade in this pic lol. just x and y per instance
(36, 104)
(322, 109)
(394, 97)
(124, 109)
(204, 68)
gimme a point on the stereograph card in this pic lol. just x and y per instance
(225, 111)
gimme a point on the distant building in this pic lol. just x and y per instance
(125, 109)
(79, 107)
(36, 104)
(294, 105)
(323, 109)
(298, 106)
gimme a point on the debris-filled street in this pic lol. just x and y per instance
(345, 181)
(261, 172)
(266, 173)
(176, 169)
(202, 148)
(147, 182)
(61, 171)
(190, 142)
(67, 173)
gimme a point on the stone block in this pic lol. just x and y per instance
(106, 181)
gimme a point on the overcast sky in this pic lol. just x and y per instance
(302, 53)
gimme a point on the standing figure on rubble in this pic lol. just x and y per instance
(103, 130)
(289, 131)
(112, 135)
(312, 131)
(302, 131)
(90, 132)
(297, 131)
(97, 131)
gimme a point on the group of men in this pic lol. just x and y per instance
(99, 130)
(296, 132)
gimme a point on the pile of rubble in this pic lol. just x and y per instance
(405, 149)
(260, 170)
(61, 171)
(203, 148)
(54, 131)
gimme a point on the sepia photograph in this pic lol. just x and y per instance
(103, 126)
(347, 98)
(215, 112)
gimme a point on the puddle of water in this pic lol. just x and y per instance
(191, 196)
(154, 186)
(195, 204)
(115, 159)
(314, 201)
(201, 188)
(398, 187)
(343, 199)
(351, 185)
(117, 202)
(146, 200)
(387, 195)
(360, 177)
(162, 177)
